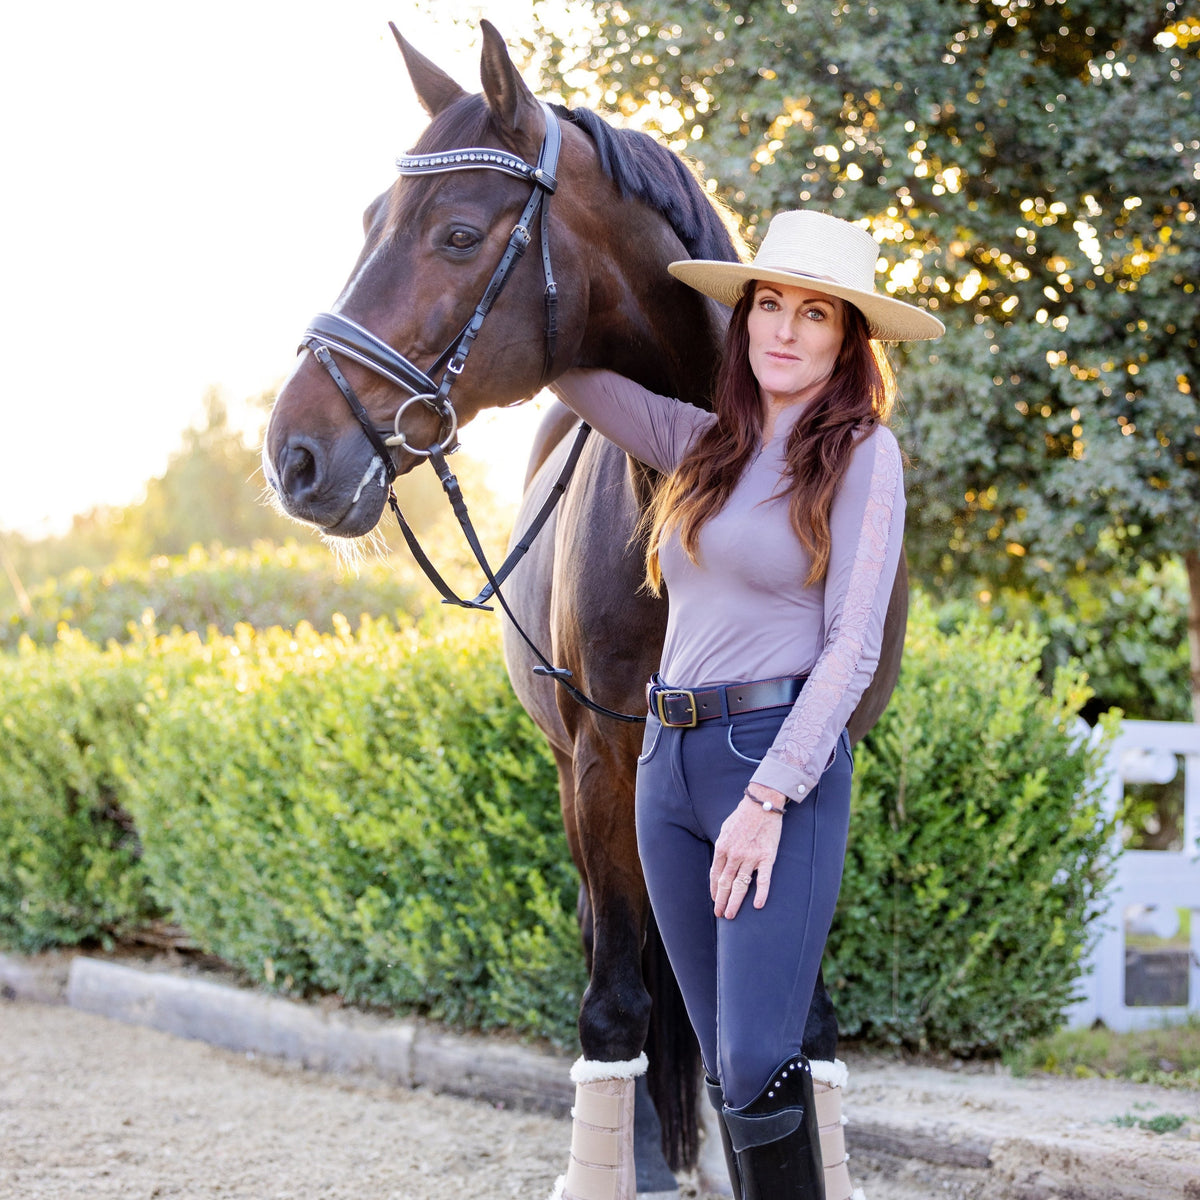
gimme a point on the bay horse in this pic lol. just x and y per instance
(623, 207)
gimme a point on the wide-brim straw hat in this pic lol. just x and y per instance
(825, 254)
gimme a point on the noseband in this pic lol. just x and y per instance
(329, 332)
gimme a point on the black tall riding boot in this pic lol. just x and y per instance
(777, 1138)
(717, 1099)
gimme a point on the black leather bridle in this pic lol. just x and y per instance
(331, 332)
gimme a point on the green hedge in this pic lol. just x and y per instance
(978, 852)
(70, 868)
(366, 813)
(369, 812)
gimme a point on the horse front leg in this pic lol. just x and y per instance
(597, 809)
(616, 1146)
(656, 1149)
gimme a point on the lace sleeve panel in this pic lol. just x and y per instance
(866, 527)
(654, 429)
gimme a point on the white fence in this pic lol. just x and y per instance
(1146, 965)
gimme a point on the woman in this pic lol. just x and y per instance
(777, 533)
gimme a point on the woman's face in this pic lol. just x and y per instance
(795, 336)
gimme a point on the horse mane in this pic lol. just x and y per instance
(648, 171)
(642, 169)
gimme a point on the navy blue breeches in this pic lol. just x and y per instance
(747, 982)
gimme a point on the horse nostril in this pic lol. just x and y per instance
(299, 469)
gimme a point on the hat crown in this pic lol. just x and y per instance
(829, 255)
(820, 246)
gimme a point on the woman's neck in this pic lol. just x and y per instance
(779, 414)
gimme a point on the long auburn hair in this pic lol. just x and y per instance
(859, 395)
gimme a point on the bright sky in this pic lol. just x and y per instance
(184, 190)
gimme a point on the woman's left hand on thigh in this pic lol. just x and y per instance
(746, 845)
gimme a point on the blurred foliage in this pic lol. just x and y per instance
(218, 589)
(1168, 1057)
(197, 553)
(70, 859)
(211, 495)
(1128, 635)
(978, 852)
(369, 813)
(1031, 171)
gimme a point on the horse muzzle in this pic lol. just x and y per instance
(337, 490)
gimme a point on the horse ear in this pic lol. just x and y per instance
(435, 89)
(506, 93)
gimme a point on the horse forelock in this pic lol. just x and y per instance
(646, 170)
(466, 122)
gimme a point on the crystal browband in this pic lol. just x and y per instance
(473, 158)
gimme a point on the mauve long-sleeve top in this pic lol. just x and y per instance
(743, 611)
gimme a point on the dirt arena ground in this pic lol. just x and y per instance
(94, 1108)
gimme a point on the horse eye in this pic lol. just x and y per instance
(462, 239)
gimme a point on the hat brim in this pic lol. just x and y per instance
(888, 320)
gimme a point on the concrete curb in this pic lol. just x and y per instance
(403, 1052)
(1036, 1138)
(937, 1147)
(894, 1116)
(40, 980)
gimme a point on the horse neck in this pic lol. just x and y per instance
(672, 349)
(646, 325)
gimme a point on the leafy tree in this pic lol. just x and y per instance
(209, 495)
(1031, 168)
(1128, 639)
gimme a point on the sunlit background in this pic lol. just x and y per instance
(182, 192)
(184, 188)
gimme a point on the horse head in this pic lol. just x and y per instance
(435, 245)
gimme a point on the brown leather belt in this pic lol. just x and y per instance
(684, 708)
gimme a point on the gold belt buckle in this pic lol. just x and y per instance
(673, 693)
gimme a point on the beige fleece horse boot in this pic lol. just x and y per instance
(828, 1080)
(601, 1165)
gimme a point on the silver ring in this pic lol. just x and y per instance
(448, 418)
(744, 879)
